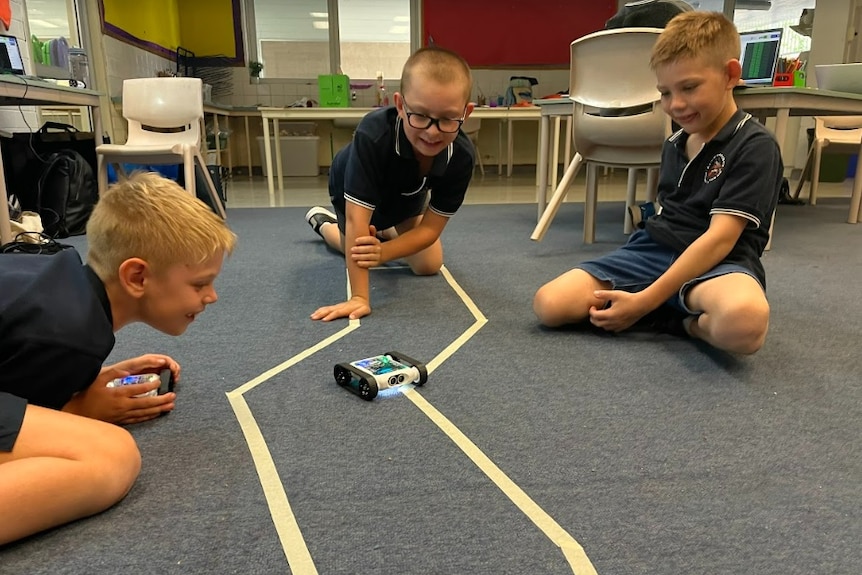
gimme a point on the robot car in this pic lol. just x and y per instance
(366, 377)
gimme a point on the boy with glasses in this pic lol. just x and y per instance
(395, 186)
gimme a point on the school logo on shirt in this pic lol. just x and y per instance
(716, 166)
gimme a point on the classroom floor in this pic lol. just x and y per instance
(520, 188)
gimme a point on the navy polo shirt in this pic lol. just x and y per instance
(738, 172)
(56, 327)
(379, 170)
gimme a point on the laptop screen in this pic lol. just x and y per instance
(759, 56)
(10, 56)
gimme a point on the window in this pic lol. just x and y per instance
(301, 39)
(49, 19)
(750, 15)
(784, 15)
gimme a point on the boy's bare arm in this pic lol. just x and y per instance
(701, 256)
(415, 240)
(357, 224)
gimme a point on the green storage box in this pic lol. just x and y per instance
(333, 90)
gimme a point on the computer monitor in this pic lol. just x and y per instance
(10, 56)
(759, 56)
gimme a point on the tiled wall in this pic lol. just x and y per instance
(126, 61)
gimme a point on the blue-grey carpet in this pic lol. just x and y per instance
(657, 454)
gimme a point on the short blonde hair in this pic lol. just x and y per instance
(150, 217)
(440, 65)
(708, 36)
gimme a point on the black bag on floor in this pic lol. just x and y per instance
(66, 194)
(52, 172)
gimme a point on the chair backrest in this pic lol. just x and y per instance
(471, 125)
(837, 123)
(610, 68)
(618, 118)
(840, 133)
(173, 106)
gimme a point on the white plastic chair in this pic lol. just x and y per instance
(165, 117)
(617, 119)
(471, 127)
(841, 134)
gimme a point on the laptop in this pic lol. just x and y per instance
(10, 56)
(759, 56)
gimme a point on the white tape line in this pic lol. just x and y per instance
(468, 333)
(571, 549)
(248, 386)
(292, 542)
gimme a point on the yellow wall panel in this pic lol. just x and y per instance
(207, 27)
(154, 22)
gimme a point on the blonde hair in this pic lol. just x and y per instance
(708, 36)
(440, 65)
(151, 217)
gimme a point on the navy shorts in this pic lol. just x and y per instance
(12, 410)
(386, 217)
(641, 261)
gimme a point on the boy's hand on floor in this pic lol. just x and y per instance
(621, 310)
(354, 308)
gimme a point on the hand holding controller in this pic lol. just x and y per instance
(165, 377)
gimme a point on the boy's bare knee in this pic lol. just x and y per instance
(548, 307)
(426, 268)
(120, 453)
(745, 327)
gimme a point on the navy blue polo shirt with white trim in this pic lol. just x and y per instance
(56, 327)
(738, 172)
(380, 171)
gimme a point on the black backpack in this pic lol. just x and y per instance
(65, 194)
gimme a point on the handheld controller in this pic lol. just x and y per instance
(366, 377)
(165, 377)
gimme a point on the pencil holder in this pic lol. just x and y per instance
(789, 79)
(782, 79)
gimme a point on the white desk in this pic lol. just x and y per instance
(556, 108)
(15, 91)
(785, 102)
(228, 112)
(330, 114)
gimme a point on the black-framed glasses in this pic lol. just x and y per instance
(423, 122)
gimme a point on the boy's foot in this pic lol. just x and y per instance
(665, 320)
(317, 216)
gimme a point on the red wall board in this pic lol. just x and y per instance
(505, 33)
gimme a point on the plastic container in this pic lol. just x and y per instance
(299, 148)
(79, 66)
